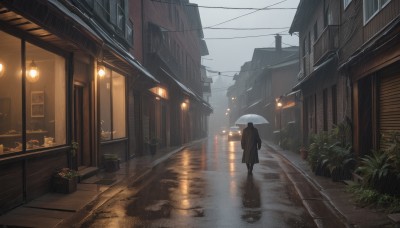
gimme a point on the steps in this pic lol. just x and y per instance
(87, 172)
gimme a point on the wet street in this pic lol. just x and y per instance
(206, 185)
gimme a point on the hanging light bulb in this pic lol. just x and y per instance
(2, 69)
(101, 72)
(33, 72)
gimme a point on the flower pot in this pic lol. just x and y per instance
(303, 153)
(64, 185)
(111, 165)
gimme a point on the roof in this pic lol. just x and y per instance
(331, 59)
(305, 9)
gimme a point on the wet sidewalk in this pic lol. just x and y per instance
(334, 197)
(62, 210)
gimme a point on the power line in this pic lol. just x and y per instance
(245, 14)
(245, 29)
(250, 28)
(224, 7)
(242, 37)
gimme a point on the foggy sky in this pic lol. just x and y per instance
(228, 55)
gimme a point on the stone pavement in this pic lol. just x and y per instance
(332, 196)
(62, 210)
(327, 201)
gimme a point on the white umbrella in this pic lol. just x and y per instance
(254, 118)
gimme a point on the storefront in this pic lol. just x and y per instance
(52, 94)
(33, 117)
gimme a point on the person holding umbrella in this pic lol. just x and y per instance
(251, 143)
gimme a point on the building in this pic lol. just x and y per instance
(369, 57)
(351, 57)
(68, 74)
(172, 51)
(270, 74)
(323, 89)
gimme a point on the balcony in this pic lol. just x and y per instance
(328, 42)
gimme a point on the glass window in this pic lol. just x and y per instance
(346, 3)
(118, 98)
(45, 97)
(10, 94)
(372, 7)
(112, 106)
(105, 105)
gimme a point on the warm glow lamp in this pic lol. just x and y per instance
(2, 69)
(33, 72)
(101, 72)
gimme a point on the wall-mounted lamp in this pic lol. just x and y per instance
(183, 106)
(101, 71)
(33, 72)
(158, 98)
(2, 69)
(279, 104)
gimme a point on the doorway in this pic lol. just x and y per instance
(81, 126)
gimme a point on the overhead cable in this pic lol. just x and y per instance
(245, 14)
(228, 8)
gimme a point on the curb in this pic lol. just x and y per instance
(315, 185)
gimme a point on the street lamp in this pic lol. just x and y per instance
(279, 104)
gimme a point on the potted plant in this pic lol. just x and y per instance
(64, 181)
(152, 142)
(303, 152)
(111, 162)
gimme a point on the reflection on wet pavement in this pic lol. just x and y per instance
(206, 185)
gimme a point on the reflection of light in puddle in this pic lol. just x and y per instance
(232, 157)
(232, 168)
(184, 184)
(233, 188)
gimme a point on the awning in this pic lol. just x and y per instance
(90, 25)
(374, 44)
(187, 90)
(317, 69)
(182, 86)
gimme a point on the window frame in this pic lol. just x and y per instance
(111, 109)
(380, 7)
(346, 3)
(27, 96)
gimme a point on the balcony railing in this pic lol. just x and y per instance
(326, 43)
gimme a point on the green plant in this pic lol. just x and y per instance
(318, 146)
(66, 173)
(110, 157)
(370, 197)
(374, 168)
(74, 148)
(339, 160)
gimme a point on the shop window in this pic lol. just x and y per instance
(112, 105)
(45, 110)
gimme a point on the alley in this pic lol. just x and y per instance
(206, 185)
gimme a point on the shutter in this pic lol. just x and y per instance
(389, 107)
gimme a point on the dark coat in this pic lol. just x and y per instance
(251, 142)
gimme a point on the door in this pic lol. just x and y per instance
(81, 126)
